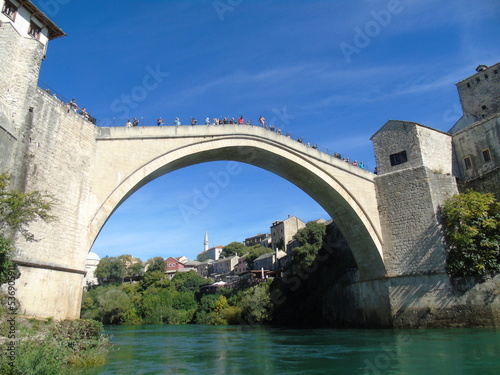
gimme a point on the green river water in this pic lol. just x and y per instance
(197, 349)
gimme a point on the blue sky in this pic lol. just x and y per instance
(332, 72)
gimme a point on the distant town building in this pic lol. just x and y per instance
(224, 266)
(282, 232)
(242, 265)
(212, 253)
(270, 261)
(172, 266)
(205, 268)
(90, 266)
(263, 240)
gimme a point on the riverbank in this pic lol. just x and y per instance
(32, 346)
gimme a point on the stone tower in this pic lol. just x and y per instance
(24, 35)
(205, 242)
(479, 94)
(415, 177)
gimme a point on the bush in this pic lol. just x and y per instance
(68, 345)
(472, 228)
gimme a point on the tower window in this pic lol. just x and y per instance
(468, 162)
(10, 10)
(483, 107)
(478, 79)
(34, 31)
(495, 71)
(398, 158)
(486, 155)
(468, 84)
(486, 76)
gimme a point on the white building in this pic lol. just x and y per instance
(90, 266)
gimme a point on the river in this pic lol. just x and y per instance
(197, 349)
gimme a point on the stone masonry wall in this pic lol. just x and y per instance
(478, 94)
(408, 202)
(19, 70)
(58, 159)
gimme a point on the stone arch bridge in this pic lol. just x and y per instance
(92, 170)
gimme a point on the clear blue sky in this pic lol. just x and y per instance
(330, 71)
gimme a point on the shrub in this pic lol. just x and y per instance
(472, 228)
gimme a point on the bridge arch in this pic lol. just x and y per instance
(345, 192)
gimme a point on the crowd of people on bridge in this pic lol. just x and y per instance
(241, 121)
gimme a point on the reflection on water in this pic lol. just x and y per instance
(196, 349)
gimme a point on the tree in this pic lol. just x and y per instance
(134, 266)
(136, 269)
(110, 270)
(17, 211)
(202, 257)
(234, 248)
(472, 230)
(311, 239)
(156, 279)
(188, 281)
(156, 264)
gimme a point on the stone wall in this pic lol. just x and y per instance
(479, 94)
(471, 142)
(408, 203)
(19, 70)
(57, 157)
(489, 183)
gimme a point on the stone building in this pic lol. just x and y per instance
(282, 232)
(263, 240)
(270, 261)
(224, 266)
(415, 178)
(476, 136)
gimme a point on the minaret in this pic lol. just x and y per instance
(205, 243)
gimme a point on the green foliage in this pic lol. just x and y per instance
(156, 279)
(311, 239)
(64, 348)
(110, 270)
(156, 264)
(8, 269)
(166, 306)
(133, 266)
(18, 209)
(110, 305)
(256, 304)
(472, 222)
(136, 269)
(312, 234)
(202, 257)
(188, 281)
(234, 248)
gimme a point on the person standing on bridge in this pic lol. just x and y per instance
(262, 121)
(135, 122)
(160, 122)
(241, 120)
